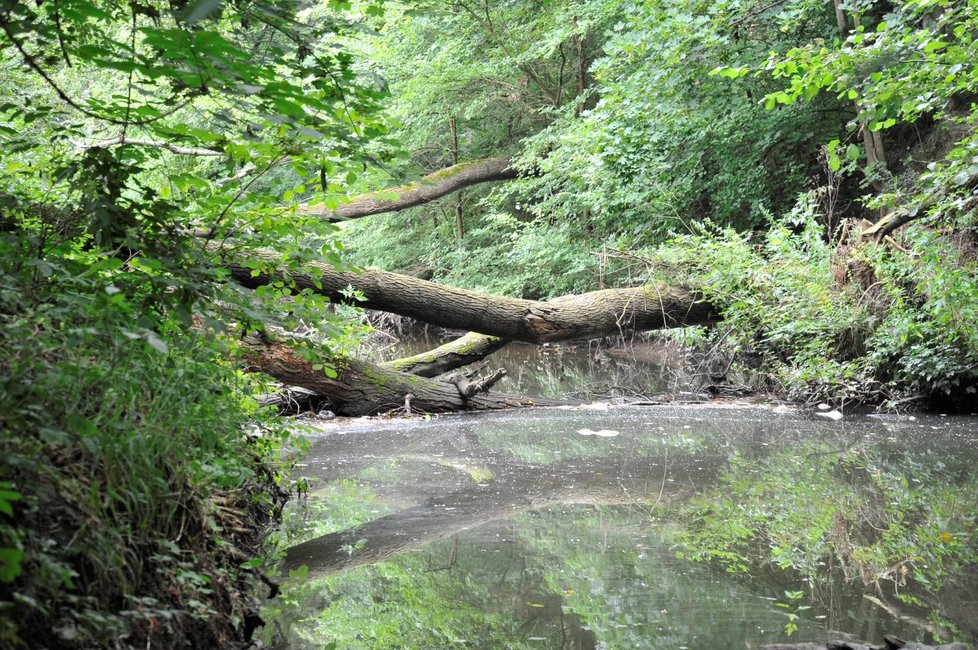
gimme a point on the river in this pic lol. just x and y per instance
(600, 526)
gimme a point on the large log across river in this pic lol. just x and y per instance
(361, 388)
(607, 312)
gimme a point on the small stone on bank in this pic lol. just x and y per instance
(603, 433)
(832, 415)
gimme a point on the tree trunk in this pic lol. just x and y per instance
(362, 388)
(468, 349)
(459, 225)
(431, 187)
(606, 312)
(872, 140)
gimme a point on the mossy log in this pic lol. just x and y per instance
(362, 388)
(463, 351)
(431, 187)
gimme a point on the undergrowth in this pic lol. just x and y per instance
(134, 475)
(499, 254)
(867, 323)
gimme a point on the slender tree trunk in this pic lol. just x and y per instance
(581, 70)
(459, 230)
(431, 187)
(875, 153)
(872, 140)
(840, 20)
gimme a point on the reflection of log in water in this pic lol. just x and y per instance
(515, 490)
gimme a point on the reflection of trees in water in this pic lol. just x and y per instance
(514, 489)
(896, 517)
(817, 494)
(576, 576)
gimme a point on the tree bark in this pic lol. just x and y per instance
(361, 388)
(431, 187)
(459, 225)
(589, 315)
(872, 140)
(122, 140)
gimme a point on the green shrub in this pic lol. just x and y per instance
(907, 332)
(498, 254)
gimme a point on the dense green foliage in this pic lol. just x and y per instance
(124, 448)
(135, 471)
(731, 146)
(635, 121)
(633, 135)
(907, 333)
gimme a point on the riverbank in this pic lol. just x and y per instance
(137, 480)
(695, 365)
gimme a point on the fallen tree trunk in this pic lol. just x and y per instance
(431, 187)
(916, 210)
(466, 350)
(890, 642)
(462, 351)
(362, 388)
(588, 315)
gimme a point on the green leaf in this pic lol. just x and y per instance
(199, 10)
(10, 563)
(156, 342)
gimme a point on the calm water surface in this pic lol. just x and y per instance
(632, 527)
